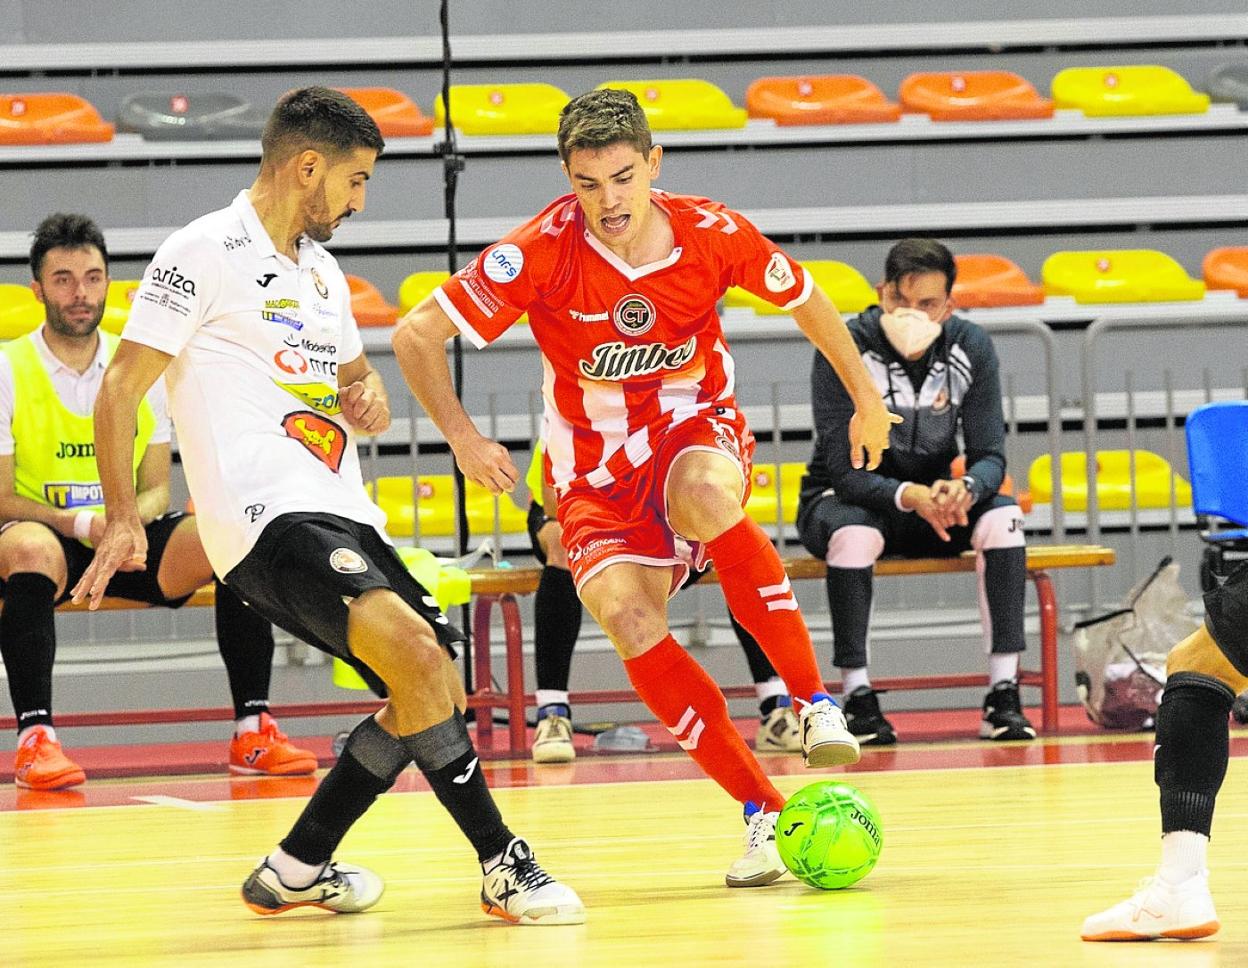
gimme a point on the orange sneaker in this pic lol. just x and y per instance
(269, 752)
(40, 764)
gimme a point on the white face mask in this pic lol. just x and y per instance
(911, 331)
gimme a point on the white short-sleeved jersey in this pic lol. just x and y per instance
(253, 386)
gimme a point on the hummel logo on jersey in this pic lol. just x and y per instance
(689, 730)
(581, 317)
(268, 277)
(712, 219)
(779, 597)
(467, 774)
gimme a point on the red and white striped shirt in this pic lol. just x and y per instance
(626, 351)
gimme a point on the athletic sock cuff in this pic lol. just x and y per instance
(737, 545)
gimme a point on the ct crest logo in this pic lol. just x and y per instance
(634, 315)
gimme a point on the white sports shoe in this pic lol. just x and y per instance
(761, 863)
(340, 888)
(779, 732)
(516, 889)
(826, 739)
(552, 743)
(1158, 909)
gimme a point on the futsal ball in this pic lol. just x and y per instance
(829, 835)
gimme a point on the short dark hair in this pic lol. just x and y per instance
(319, 118)
(601, 118)
(914, 256)
(64, 231)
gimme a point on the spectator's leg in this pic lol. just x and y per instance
(1001, 566)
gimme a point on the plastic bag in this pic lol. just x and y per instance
(1120, 658)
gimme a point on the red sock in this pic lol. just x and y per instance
(687, 701)
(757, 590)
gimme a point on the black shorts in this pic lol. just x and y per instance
(137, 586)
(1226, 616)
(306, 567)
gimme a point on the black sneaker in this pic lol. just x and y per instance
(862, 714)
(1003, 714)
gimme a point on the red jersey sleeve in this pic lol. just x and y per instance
(757, 264)
(495, 289)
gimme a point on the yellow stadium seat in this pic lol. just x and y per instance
(437, 507)
(843, 284)
(1227, 268)
(117, 304)
(761, 505)
(1118, 276)
(414, 289)
(46, 118)
(1130, 90)
(1113, 481)
(683, 105)
(20, 311)
(503, 108)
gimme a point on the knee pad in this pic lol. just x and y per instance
(999, 528)
(854, 546)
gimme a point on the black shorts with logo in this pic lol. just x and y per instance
(137, 586)
(305, 568)
(1226, 615)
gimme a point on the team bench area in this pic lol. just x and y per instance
(502, 586)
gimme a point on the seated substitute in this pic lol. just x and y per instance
(940, 372)
(557, 615)
(52, 509)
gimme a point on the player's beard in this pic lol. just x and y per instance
(75, 328)
(319, 223)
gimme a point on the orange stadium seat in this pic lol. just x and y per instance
(1130, 90)
(45, 119)
(986, 280)
(822, 99)
(843, 284)
(503, 108)
(973, 96)
(683, 105)
(1118, 276)
(1113, 481)
(20, 311)
(369, 306)
(1227, 268)
(396, 114)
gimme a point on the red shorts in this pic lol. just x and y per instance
(627, 519)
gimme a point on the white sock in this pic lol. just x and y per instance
(248, 724)
(1182, 855)
(550, 697)
(295, 874)
(1002, 666)
(770, 687)
(29, 729)
(852, 679)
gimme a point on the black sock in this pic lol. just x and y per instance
(557, 618)
(849, 599)
(370, 763)
(1192, 747)
(28, 645)
(1005, 592)
(245, 641)
(444, 754)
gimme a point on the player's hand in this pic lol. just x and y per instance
(364, 408)
(918, 498)
(869, 428)
(486, 462)
(123, 547)
(956, 498)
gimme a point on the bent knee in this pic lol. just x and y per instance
(1001, 526)
(30, 547)
(392, 639)
(854, 546)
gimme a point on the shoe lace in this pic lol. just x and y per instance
(528, 873)
(760, 830)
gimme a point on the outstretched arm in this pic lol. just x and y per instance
(420, 347)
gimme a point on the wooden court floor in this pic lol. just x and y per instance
(986, 862)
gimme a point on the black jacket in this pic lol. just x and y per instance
(959, 387)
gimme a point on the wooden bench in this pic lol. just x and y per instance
(501, 587)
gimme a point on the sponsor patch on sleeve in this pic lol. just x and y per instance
(778, 276)
(503, 263)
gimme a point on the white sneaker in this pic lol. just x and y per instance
(761, 863)
(826, 739)
(340, 888)
(516, 889)
(1158, 909)
(552, 742)
(779, 732)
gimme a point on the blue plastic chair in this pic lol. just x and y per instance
(1217, 456)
